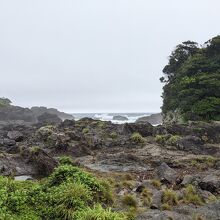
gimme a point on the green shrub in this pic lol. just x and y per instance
(45, 132)
(64, 160)
(4, 102)
(85, 131)
(173, 140)
(66, 194)
(102, 124)
(167, 139)
(66, 173)
(161, 139)
(113, 135)
(137, 138)
(70, 197)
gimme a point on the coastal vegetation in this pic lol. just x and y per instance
(192, 81)
(68, 193)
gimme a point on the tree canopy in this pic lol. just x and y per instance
(4, 102)
(192, 80)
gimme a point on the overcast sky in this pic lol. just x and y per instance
(95, 55)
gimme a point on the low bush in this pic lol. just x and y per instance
(173, 140)
(113, 135)
(167, 139)
(64, 160)
(161, 139)
(137, 138)
(85, 130)
(69, 193)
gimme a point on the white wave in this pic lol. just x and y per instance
(132, 117)
(109, 117)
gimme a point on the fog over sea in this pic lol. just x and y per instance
(131, 117)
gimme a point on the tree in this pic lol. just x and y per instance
(4, 102)
(192, 81)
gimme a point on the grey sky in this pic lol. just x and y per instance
(95, 55)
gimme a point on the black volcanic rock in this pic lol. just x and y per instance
(145, 129)
(120, 118)
(37, 111)
(15, 135)
(47, 118)
(12, 113)
(152, 119)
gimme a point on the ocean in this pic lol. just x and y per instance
(131, 117)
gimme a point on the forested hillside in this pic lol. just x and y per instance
(192, 82)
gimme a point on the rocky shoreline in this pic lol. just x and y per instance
(145, 162)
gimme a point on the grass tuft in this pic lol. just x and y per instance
(130, 201)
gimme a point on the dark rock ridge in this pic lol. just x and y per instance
(47, 118)
(153, 119)
(33, 115)
(12, 113)
(41, 110)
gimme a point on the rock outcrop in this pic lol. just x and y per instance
(120, 118)
(47, 118)
(153, 119)
(41, 110)
(16, 113)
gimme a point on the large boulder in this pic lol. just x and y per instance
(15, 135)
(208, 132)
(187, 179)
(167, 174)
(152, 119)
(156, 200)
(41, 161)
(210, 183)
(145, 129)
(120, 118)
(189, 142)
(67, 124)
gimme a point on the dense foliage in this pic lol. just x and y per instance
(4, 102)
(69, 193)
(192, 81)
